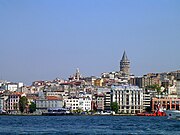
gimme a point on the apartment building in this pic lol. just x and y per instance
(43, 103)
(129, 98)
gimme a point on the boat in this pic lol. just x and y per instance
(2, 112)
(159, 112)
(105, 113)
(57, 112)
(146, 114)
(173, 114)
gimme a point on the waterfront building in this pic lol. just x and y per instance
(107, 97)
(1, 103)
(99, 102)
(167, 103)
(81, 102)
(11, 102)
(85, 103)
(107, 101)
(43, 103)
(129, 98)
(72, 103)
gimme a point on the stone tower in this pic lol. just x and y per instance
(125, 65)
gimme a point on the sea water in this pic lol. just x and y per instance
(88, 125)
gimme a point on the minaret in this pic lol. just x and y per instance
(125, 65)
(78, 76)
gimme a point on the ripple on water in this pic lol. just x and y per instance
(88, 125)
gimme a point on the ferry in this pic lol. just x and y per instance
(57, 112)
(173, 114)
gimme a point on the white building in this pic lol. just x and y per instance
(83, 102)
(129, 98)
(172, 90)
(72, 103)
(146, 101)
(11, 87)
(1, 103)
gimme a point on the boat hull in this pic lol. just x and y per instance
(56, 114)
(173, 114)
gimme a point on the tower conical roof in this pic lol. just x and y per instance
(124, 58)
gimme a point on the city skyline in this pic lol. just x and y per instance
(42, 40)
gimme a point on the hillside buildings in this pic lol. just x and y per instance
(10, 101)
(133, 94)
(118, 77)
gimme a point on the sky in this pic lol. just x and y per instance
(46, 39)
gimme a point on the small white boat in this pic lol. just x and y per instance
(172, 114)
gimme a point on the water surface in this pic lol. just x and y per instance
(88, 125)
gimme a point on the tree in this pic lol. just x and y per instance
(22, 104)
(155, 87)
(32, 107)
(114, 107)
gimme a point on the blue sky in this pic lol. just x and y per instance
(45, 39)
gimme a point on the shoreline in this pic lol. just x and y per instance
(68, 115)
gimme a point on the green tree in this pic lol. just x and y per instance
(23, 104)
(32, 107)
(114, 107)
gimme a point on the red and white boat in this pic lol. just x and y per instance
(159, 112)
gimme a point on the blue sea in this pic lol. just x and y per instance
(97, 125)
